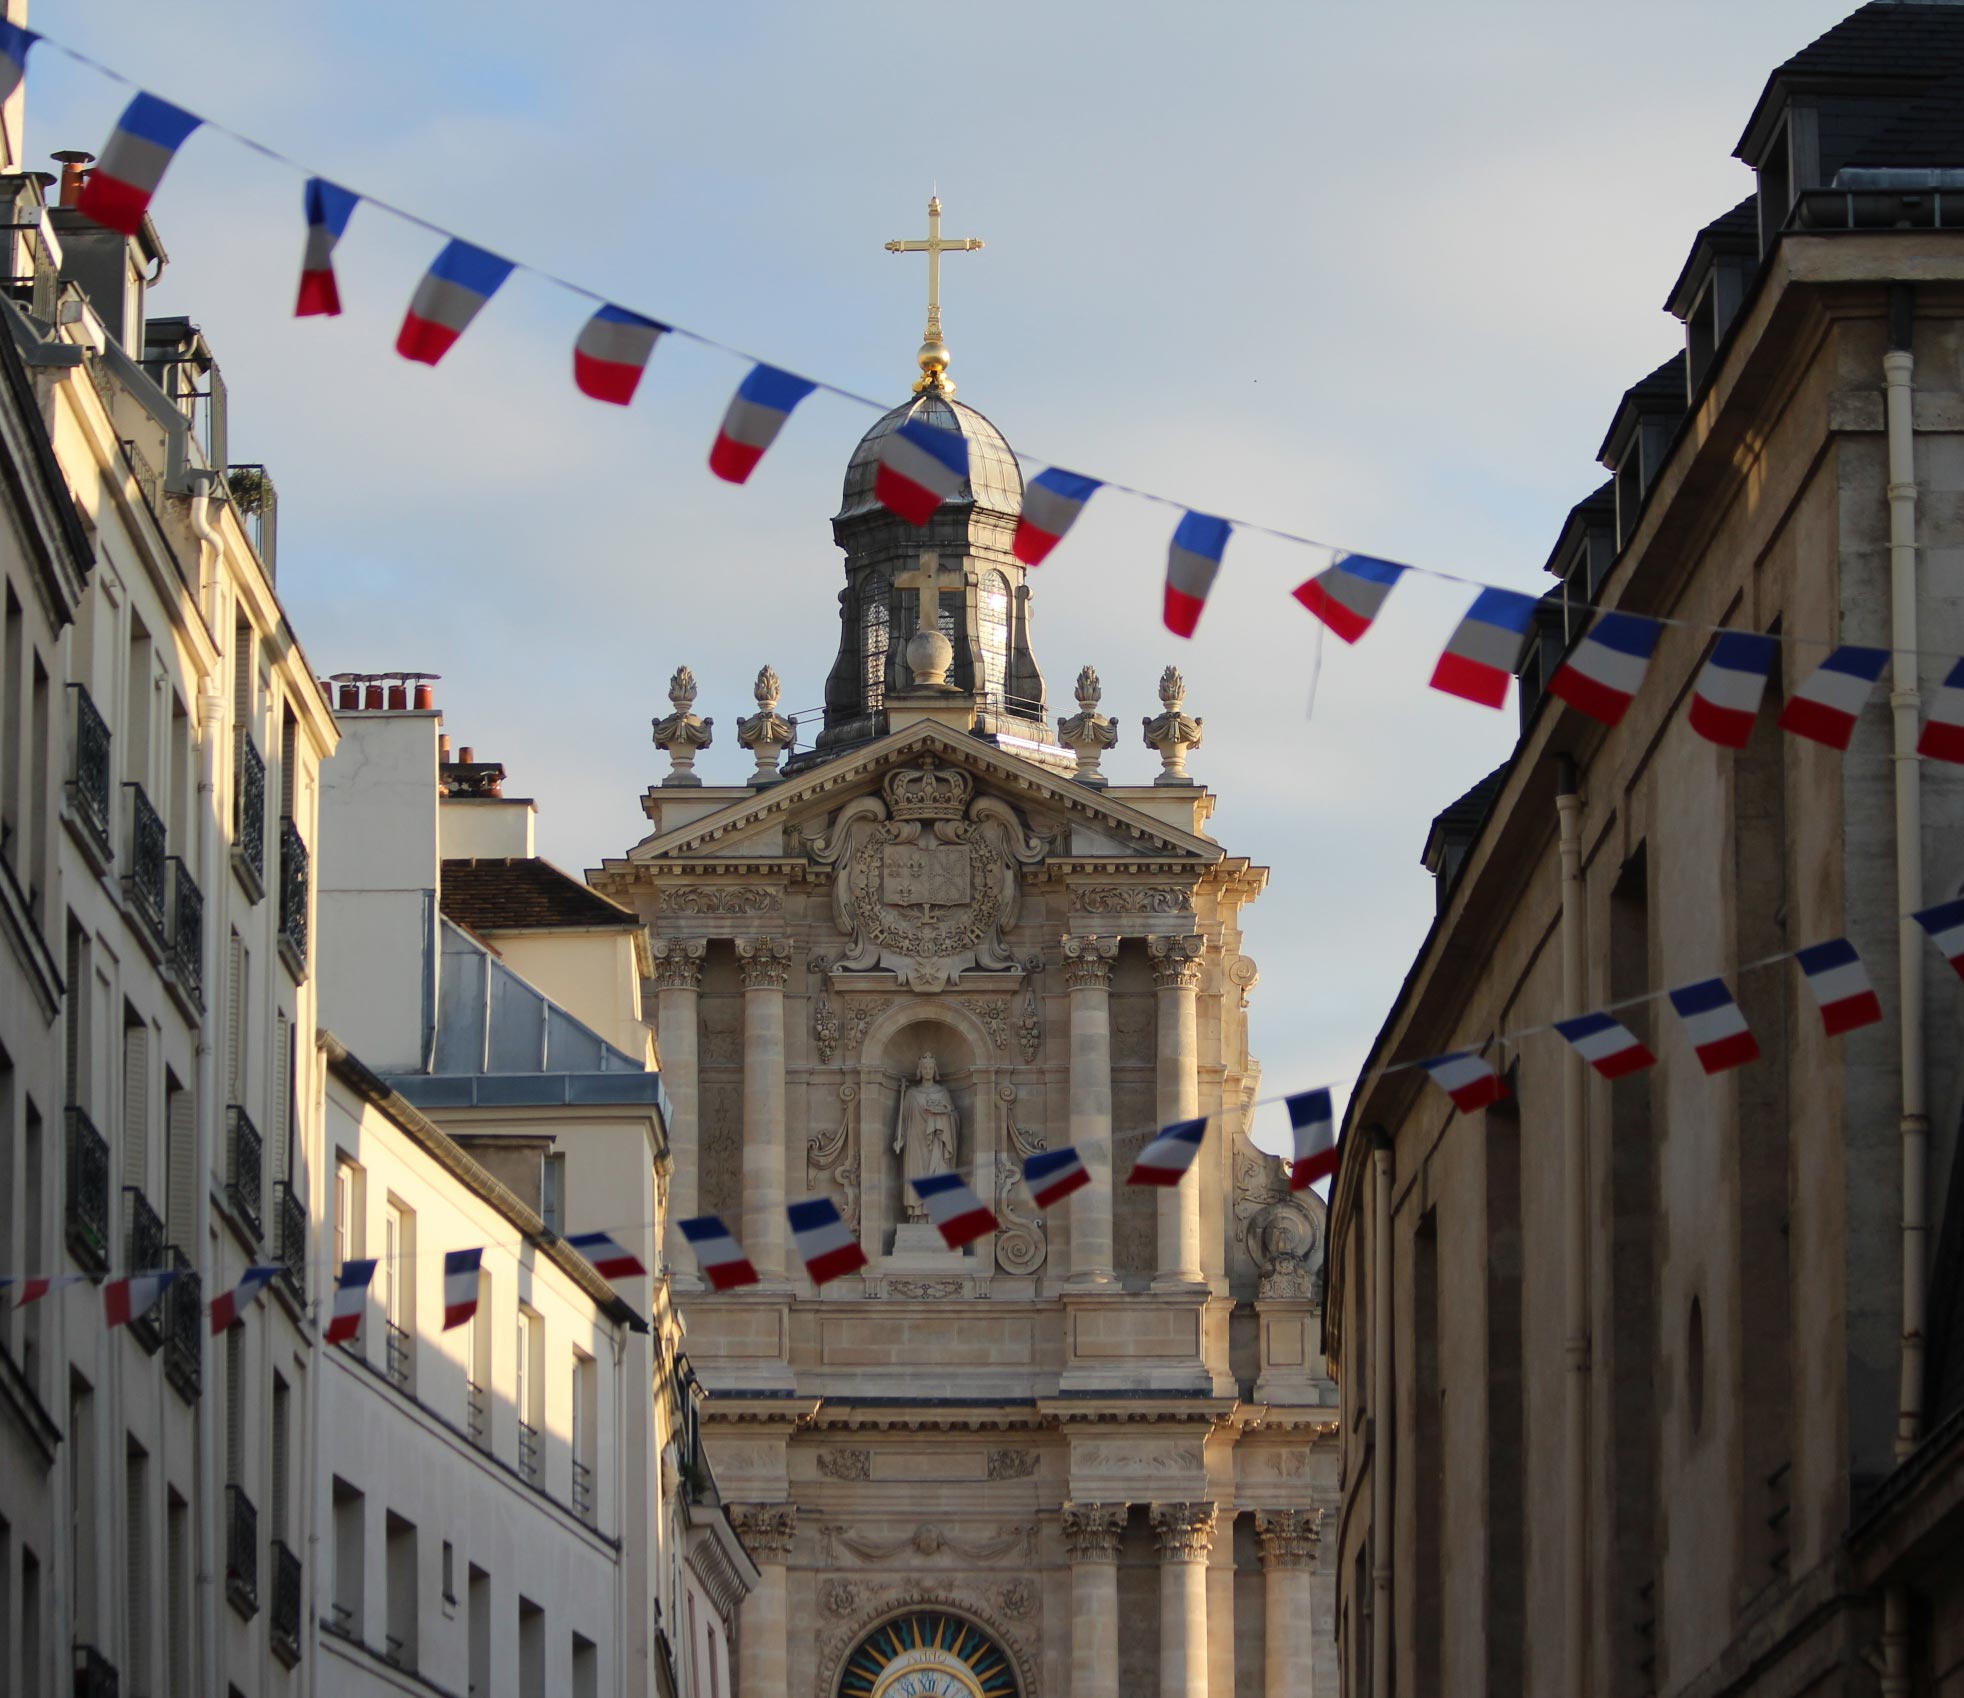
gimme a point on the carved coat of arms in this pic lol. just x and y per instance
(927, 878)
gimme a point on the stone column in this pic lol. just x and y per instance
(1176, 971)
(1288, 1540)
(765, 962)
(678, 977)
(1088, 972)
(1186, 1535)
(767, 1531)
(1091, 1535)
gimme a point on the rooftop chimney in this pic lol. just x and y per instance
(73, 173)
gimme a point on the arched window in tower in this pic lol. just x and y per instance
(873, 634)
(993, 604)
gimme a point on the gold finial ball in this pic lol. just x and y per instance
(934, 359)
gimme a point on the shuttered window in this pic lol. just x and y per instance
(236, 989)
(136, 1103)
(181, 1157)
(235, 1405)
(137, 1567)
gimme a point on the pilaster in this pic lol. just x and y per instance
(1176, 973)
(1088, 972)
(765, 964)
(768, 1531)
(1091, 1537)
(1186, 1535)
(1288, 1540)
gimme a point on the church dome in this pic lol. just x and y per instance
(995, 481)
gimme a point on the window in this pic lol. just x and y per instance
(30, 1625)
(237, 989)
(875, 632)
(83, 1544)
(180, 1164)
(477, 1368)
(350, 1205)
(235, 1404)
(552, 1194)
(137, 1565)
(39, 714)
(278, 1485)
(399, 1642)
(477, 1607)
(586, 1667)
(993, 618)
(178, 1623)
(12, 671)
(586, 1433)
(398, 1277)
(33, 1243)
(449, 1572)
(350, 1515)
(76, 1031)
(531, 1650)
(531, 1392)
(136, 1101)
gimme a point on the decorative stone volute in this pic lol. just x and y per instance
(766, 733)
(1092, 1531)
(1088, 962)
(1175, 961)
(765, 962)
(681, 733)
(1185, 1530)
(1088, 733)
(1288, 1537)
(1173, 732)
(678, 962)
(766, 1529)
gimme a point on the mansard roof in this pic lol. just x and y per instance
(523, 893)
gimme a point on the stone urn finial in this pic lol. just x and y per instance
(681, 733)
(1172, 689)
(1088, 733)
(1173, 732)
(766, 733)
(1089, 691)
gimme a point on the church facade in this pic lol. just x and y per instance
(1089, 1453)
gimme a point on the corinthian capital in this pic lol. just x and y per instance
(764, 961)
(1092, 1531)
(1186, 1530)
(1175, 962)
(766, 1529)
(1088, 962)
(678, 962)
(1288, 1536)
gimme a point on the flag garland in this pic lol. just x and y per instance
(1313, 1127)
(757, 412)
(921, 465)
(1166, 1159)
(612, 352)
(328, 210)
(1943, 732)
(1347, 595)
(1052, 1175)
(460, 1286)
(1192, 560)
(1840, 983)
(134, 1296)
(1609, 1046)
(1483, 649)
(1725, 700)
(350, 1299)
(718, 1254)
(228, 1306)
(958, 1214)
(610, 1258)
(1602, 675)
(1468, 1079)
(453, 292)
(824, 1240)
(1716, 1025)
(14, 45)
(1827, 704)
(1052, 501)
(1945, 924)
(133, 162)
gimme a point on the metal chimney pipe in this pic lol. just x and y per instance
(73, 162)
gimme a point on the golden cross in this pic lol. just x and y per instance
(934, 354)
(926, 579)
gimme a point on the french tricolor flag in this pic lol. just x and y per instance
(1481, 654)
(718, 1254)
(1191, 562)
(612, 352)
(958, 1214)
(1467, 1078)
(1051, 505)
(611, 1259)
(1166, 1159)
(228, 1306)
(133, 162)
(350, 1300)
(14, 43)
(1605, 670)
(1944, 923)
(921, 466)
(1716, 1027)
(329, 208)
(824, 1240)
(762, 403)
(1725, 700)
(1608, 1046)
(1827, 704)
(1840, 984)
(1314, 1123)
(460, 1285)
(124, 1300)
(1347, 595)
(451, 294)
(1052, 1175)
(33, 1289)
(1943, 732)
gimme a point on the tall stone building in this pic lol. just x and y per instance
(1088, 1454)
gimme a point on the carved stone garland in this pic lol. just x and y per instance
(1023, 1244)
(834, 1156)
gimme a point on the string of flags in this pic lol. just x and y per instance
(922, 465)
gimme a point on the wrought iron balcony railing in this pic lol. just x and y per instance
(95, 1674)
(528, 1454)
(285, 1624)
(88, 1192)
(244, 1168)
(144, 883)
(477, 1414)
(241, 1551)
(249, 809)
(184, 1329)
(88, 770)
(290, 1238)
(582, 1490)
(143, 1252)
(187, 932)
(399, 1356)
(293, 897)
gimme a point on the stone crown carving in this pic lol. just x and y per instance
(1289, 1537)
(765, 962)
(1092, 1531)
(1175, 962)
(1088, 962)
(766, 1529)
(928, 792)
(1185, 1530)
(678, 962)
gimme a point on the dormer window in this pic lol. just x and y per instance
(875, 634)
(1776, 184)
(993, 618)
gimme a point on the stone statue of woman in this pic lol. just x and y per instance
(926, 1132)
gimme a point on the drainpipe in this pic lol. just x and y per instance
(1381, 1417)
(1575, 1251)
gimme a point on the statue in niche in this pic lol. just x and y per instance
(925, 1132)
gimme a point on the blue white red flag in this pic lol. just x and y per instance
(1052, 1175)
(1467, 1078)
(128, 1299)
(612, 352)
(228, 1306)
(762, 403)
(824, 1240)
(1605, 670)
(452, 293)
(1827, 703)
(610, 1258)
(1166, 1159)
(14, 44)
(1608, 1046)
(460, 1285)
(921, 466)
(1051, 505)
(328, 210)
(134, 160)
(37, 1286)
(1348, 594)
(1482, 651)
(718, 1254)
(1943, 732)
(1840, 984)
(958, 1214)
(1715, 1025)
(1191, 562)
(1944, 923)
(1725, 700)
(1313, 1123)
(350, 1300)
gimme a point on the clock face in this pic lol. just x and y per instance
(927, 1654)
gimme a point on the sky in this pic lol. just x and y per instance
(1375, 275)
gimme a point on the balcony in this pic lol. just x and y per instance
(144, 885)
(285, 1625)
(477, 1414)
(143, 1252)
(529, 1469)
(583, 1491)
(293, 899)
(88, 774)
(244, 1169)
(249, 815)
(184, 1329)
(187, 933)
(290, 1238)
(95, 1674)
(258, 507)
(241, 1552)
(399, 1356)
(88, 1192)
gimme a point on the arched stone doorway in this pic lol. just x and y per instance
(928, 1652)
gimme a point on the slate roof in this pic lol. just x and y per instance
(517, 893)
(1930, 131)
(1661, 391)
(1734, 232)
(1462, 820)
(1884, 42)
